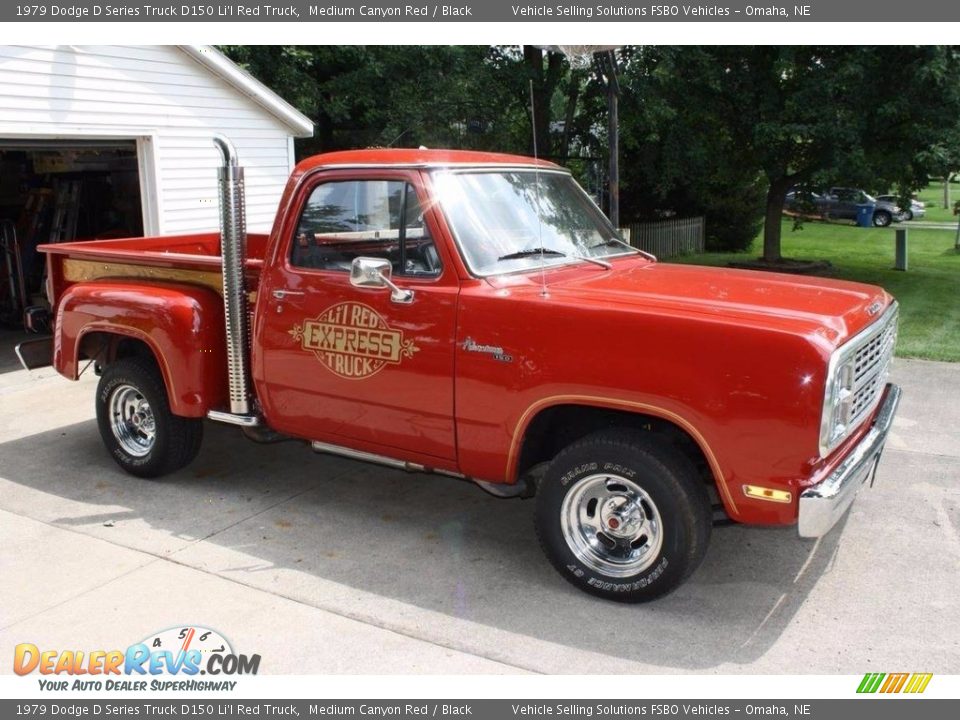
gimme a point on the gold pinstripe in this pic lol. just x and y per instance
(624, 404)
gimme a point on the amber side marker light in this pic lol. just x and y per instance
(762, 493)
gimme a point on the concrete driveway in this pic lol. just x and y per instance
(312, 561)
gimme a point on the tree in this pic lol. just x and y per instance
(383, 95)
(723, 131)
(545, 74)
(678, 156)
(943, 156)
(823, 114)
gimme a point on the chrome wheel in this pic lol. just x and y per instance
(611, 525)
(132, 420)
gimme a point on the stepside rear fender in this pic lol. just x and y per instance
(182, 325)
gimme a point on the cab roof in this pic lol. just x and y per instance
(412, 157)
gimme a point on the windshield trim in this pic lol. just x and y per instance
(548, 265)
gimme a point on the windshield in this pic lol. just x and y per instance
(511, 220)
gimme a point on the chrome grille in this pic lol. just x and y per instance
(871, 363)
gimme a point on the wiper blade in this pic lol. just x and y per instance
(620, 243)
(613, 242)
(531, 252)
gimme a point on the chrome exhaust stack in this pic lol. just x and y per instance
(233, 247)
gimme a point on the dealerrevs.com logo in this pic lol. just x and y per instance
(180, 652)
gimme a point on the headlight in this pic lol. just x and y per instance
(856, 376)
(837, 401)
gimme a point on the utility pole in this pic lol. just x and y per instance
(613, 133)
(956, 240)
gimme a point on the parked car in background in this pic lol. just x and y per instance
(802, 202)
(840, 203)
(916, 210)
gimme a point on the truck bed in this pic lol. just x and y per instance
(191, 258)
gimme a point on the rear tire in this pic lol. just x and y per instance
(623, 515)
(137, 427)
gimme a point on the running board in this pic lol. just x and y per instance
(328, 449)
(247, 421)
(500, 490)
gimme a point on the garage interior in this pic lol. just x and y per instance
(54, 191)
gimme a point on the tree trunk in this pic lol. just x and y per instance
(323, 134)
(946, 191)
(545, 81)
(533, 59)
(573, 96)
(773, 219)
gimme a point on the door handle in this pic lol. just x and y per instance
(281, 294)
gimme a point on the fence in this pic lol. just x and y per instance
(667, 238)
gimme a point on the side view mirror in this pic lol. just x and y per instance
(375, 273)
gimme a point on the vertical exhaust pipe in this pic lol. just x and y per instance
(233, 247)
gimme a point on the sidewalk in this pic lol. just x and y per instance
(928, 225)
(323, 565)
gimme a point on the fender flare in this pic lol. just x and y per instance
(528, 416)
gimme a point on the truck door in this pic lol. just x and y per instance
(352, 365)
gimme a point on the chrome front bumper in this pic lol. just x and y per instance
(824, 503)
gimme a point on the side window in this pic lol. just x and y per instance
(344, 220)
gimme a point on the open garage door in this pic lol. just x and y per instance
(59, 191)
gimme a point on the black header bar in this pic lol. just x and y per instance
(379, 11)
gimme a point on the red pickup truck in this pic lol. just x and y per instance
(475, 315)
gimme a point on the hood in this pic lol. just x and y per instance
(831, 310)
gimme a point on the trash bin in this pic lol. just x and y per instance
(865, 214)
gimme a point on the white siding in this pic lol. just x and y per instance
(165, 99)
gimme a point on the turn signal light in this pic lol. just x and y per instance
(762, 493)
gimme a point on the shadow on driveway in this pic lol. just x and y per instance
(427, 541)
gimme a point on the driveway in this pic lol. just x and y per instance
(311, 560)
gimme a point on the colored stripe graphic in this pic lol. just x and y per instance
(918, 683)
(894, 682)
(913, 683)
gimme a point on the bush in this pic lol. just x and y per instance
(734, 217)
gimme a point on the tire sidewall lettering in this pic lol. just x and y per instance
(130, 459)
(621, 470)
(579, 471)
(647, 579)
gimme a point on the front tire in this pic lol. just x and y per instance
(881, 218)
(137, 427)
(622, 515)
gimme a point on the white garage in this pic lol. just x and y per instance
(113, 141)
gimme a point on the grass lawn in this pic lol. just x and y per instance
(929, 292)
(932, 197)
